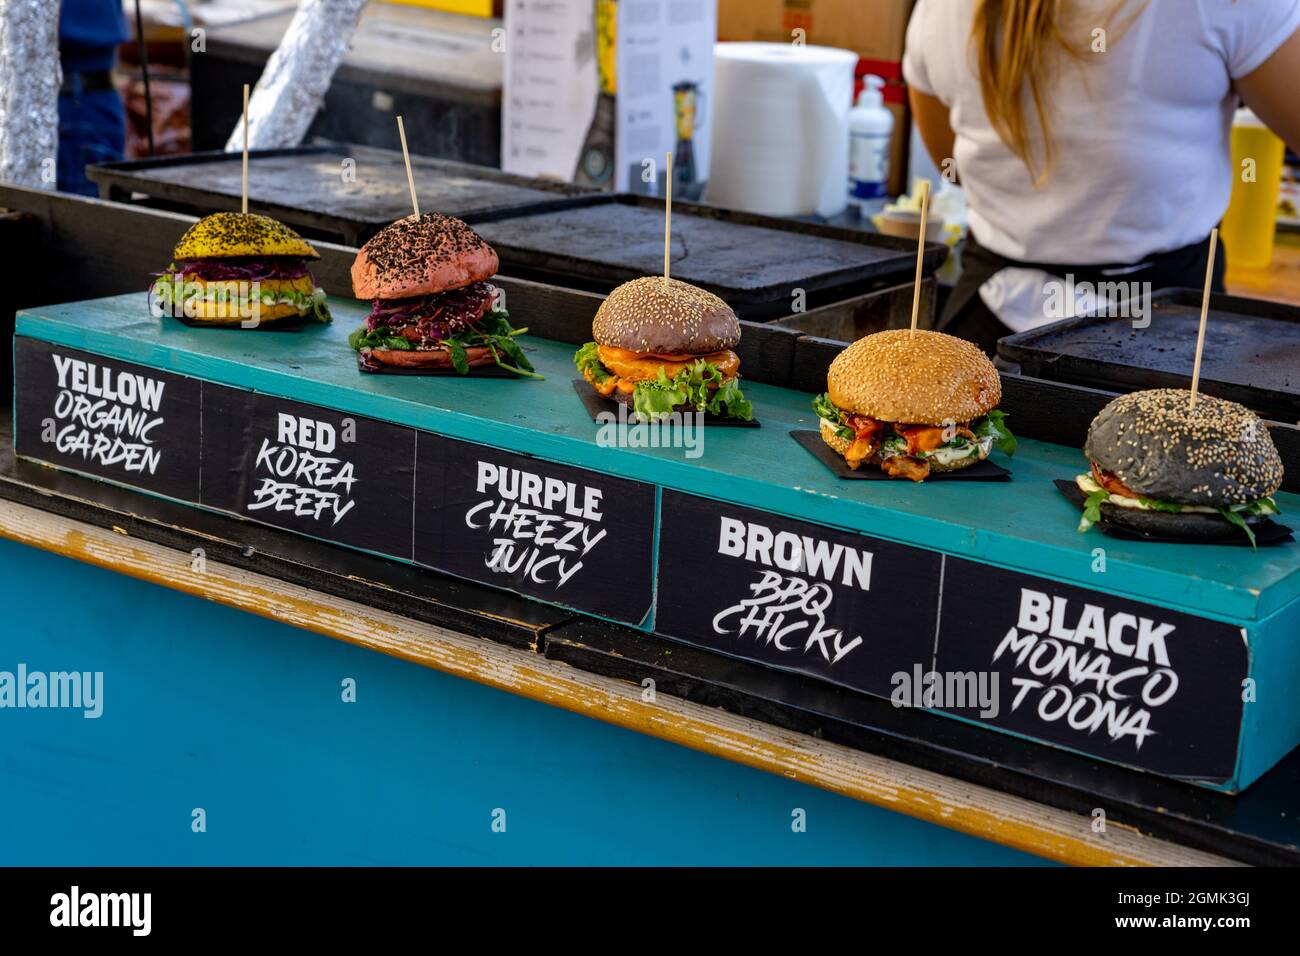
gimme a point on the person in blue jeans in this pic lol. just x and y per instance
(92, 119)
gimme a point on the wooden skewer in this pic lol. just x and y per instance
(410, 177)
(244, 204)
(668, 214)
(1205, 311)
(920, 252)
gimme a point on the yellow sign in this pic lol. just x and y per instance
(607, 44)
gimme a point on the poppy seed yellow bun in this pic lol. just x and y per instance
(924, 379)
(228, 234)
(216, 313)
(645, 315)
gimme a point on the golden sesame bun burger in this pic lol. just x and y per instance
(1160, 466)
(233, 269)
(432, 306)
(913, 404)
(665, 345)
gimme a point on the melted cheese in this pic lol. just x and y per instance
(644, 367)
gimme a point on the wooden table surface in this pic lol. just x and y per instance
(1280, 282)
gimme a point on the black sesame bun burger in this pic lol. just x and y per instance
(1162, 468)
(663, 345)
(913, 404)
(433, 307)
(233, 269)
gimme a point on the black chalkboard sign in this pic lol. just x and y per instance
(1118, 679)
(835, 604)
(554, 532)
(127, 423)
(334, 476)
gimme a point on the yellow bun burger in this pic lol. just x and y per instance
(239, 268)
(913, 404)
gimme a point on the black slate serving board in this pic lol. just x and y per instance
(812, 442)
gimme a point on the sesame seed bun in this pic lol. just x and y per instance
(927, 379)
(425, 256)
(1217, 454)
(839, 444)
(228, 234)
(645, 315)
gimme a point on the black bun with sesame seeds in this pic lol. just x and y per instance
(675, 318)
(1216, 454)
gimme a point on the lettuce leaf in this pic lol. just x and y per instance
(587, 360)
(1234, 517)
(363, 338)
(653, 400)
(827, 410)
(1168, 507)
(1092, 509)
(700, 386)
(728, 401)
(493, 332)
(994, 425)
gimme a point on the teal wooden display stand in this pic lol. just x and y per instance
(1023, 526)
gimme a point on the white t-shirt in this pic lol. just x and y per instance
(1143, 159)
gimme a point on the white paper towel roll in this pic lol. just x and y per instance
(780, 128)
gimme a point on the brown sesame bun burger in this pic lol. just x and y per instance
(1163, 468)
(432, 306)
(663, 346)
(913, 404)
(239, 269)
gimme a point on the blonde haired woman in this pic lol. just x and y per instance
(1092, 137)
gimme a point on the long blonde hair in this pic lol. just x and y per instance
(1013, 42)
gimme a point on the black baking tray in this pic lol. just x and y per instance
(337, 191)
(1252, 351)
(765, 267)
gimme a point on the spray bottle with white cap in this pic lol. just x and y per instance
(871, 129)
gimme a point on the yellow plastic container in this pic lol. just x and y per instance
(470, 8)
(1250, 224)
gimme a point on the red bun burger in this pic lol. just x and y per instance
(434, 307)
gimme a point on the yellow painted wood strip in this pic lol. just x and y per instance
(926, 795)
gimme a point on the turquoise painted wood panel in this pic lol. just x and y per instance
(1025, 524)
(205, 706)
